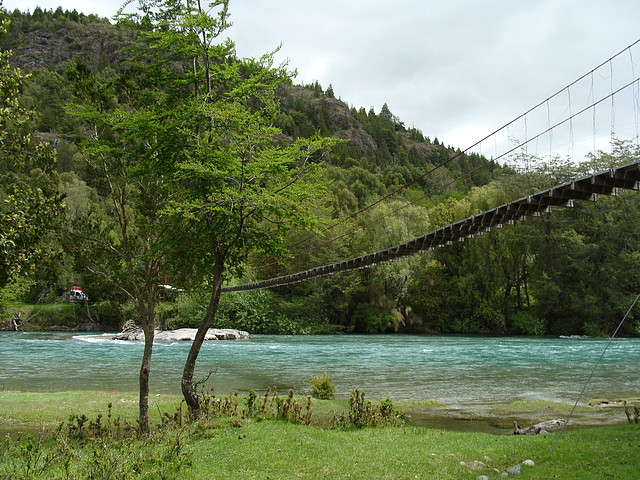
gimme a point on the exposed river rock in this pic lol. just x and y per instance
(183, 334)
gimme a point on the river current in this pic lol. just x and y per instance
(456, 370)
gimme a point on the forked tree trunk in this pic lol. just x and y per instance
(188, 389)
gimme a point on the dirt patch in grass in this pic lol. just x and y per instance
(499, 418)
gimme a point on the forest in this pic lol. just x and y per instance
(124, 167)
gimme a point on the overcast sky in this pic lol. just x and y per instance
(455, 69)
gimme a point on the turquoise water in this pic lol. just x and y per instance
(456, 370)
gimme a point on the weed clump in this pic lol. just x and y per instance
(98, 448)
(363, 413)
(266, 406)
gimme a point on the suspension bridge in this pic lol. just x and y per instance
(572, 120)
(609, 182)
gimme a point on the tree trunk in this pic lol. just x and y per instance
(526, 292)
(145, 369)
(188, 390)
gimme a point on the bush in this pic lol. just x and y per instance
(595, 329)
(187, 310)
(321, 387)
(268, 405)
(113, 312)
(368, 319)
(528, 324)
(261, 312)
(632, 417)
(463, 324)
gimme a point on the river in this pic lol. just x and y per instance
(456, 370)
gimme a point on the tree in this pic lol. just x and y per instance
(28, 184)
(329, 92)
(122, 239)
(238, 184)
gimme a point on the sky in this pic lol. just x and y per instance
(456, 69)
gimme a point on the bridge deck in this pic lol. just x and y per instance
(609, 182)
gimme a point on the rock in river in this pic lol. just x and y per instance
(183, 334)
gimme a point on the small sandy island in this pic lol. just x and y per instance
(183, 334)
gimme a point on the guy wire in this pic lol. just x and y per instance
(575, 405)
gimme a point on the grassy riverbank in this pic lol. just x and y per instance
(253, 448)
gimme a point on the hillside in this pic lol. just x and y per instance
(57, 41)
(519, 280)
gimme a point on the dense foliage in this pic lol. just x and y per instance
(574, 271)
(28, 183)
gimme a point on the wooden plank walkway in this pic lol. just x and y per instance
(609, 182)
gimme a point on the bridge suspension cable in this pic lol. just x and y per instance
(548, 129)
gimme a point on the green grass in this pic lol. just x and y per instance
(275, 449)
(279, 450)
(29, 411)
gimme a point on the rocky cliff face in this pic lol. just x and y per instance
(51, 46)
(51, 40)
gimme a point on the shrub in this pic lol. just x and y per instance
(261, 312)
(528, 324)
(322, 387)
(268, 405)
(99, 449)
(595, 329)
(187, 310)
(368, 319)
